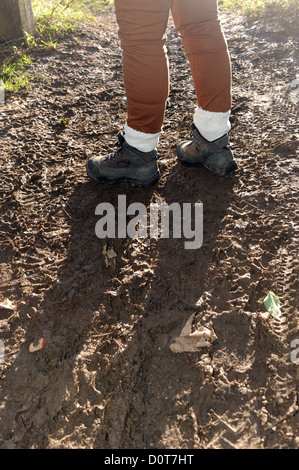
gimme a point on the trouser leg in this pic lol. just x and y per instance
(205, 45)
(142, 32)
(142, 26)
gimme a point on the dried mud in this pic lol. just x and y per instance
(107, 377)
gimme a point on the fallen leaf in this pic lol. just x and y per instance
(64, 122)
(38, 345)
(109, 255)
(272, 304)
(7, 305)
(193, 342)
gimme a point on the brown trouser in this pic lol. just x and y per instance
(142, 26)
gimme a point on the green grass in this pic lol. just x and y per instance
(254, 9)
(13, 75)
(54, 20)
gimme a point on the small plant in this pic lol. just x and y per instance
(54, 19)
(13, 73)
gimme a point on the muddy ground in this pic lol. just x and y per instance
(107, 377)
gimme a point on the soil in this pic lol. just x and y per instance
(107, 377)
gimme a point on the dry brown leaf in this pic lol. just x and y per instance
(7, 305)
(193, 342)
(109, 256)
(38, 345)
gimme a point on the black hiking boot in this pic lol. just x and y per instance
(125, 164)
(215, 156)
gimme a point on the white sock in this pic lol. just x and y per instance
(141, 140)
(211, 125)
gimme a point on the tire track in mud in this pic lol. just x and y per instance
(283, 326)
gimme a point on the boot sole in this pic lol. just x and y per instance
(232, 166)
(132, 181)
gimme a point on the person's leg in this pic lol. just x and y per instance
(142, 26)
(205, 45)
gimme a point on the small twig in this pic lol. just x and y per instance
(68, 4)
(59, 4)
(69, 215)
(55, 7)
(99, 335)
(11, 40)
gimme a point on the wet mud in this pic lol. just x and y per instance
(107, 377)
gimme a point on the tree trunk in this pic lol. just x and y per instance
(16, 18)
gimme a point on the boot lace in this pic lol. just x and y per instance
(120, 143)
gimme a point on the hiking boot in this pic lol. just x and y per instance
(215, 156)
(125, 164)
